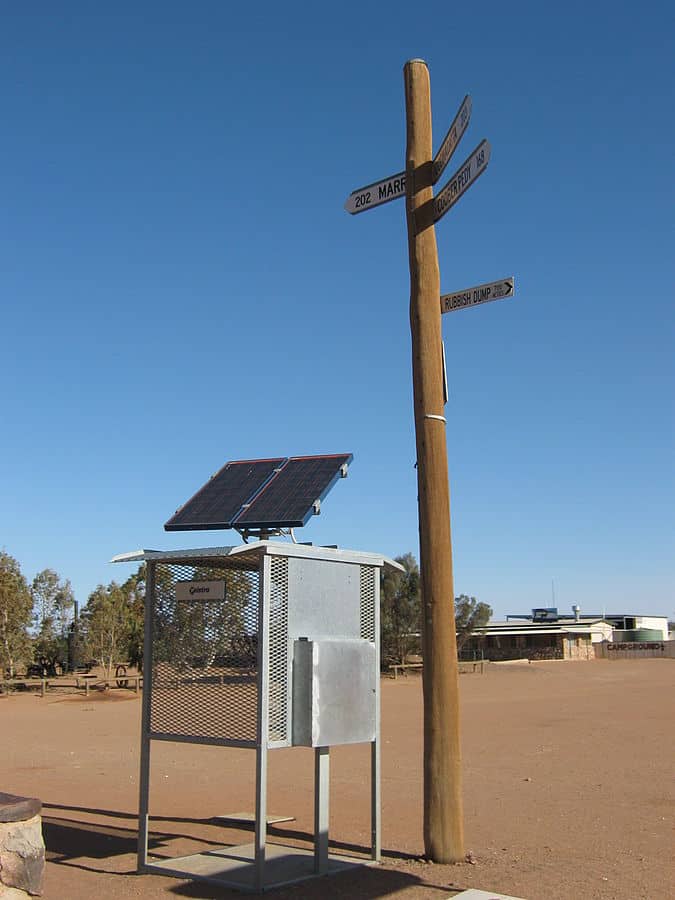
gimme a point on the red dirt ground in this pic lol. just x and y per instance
(567, 784)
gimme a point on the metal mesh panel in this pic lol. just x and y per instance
(204, 651)
(368, 575)
(278, 644)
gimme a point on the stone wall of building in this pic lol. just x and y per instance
(579, 646)
(504, 647)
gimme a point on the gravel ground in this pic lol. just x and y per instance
(567, 783)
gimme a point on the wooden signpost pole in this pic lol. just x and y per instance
(443, 817)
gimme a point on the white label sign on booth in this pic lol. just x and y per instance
(200, 590)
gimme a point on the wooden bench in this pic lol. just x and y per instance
(26, 683)
(477, 665)
(18, 809)
(401, 667)
(86, 681)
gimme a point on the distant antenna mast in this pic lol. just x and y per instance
(552, 592)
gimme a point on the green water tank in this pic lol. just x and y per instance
(643, 635)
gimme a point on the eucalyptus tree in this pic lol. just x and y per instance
(16, 607)
(400, 609)
(106, 621)
(53, 602)
(470, 616)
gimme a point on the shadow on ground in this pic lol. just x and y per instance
(67, 840)
(368, 883)
(76, 843)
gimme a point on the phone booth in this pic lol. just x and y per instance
(262, 645)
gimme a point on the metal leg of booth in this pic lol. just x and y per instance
(375, 803)
(144, 776)
(260, 816)
(321, 808)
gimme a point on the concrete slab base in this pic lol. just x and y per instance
(474, 894)
(235, 866)
(248, 818)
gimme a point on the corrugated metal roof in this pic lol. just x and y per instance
(596, 617)
(548, 629)
(535, 626)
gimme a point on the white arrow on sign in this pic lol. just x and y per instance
(452, 138)
(472, 167)
(376, 194)
(482, 293)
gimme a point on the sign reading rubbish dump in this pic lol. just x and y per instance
(482, 293)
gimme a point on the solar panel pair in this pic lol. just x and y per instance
(261, 493)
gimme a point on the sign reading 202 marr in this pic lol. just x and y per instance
(376, 194)
(196, 591)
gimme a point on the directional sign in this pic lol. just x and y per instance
(482, 293)
(472, 167)
(451, 139)
(375, 194)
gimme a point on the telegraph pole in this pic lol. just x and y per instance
(443, 816)
(443, 819)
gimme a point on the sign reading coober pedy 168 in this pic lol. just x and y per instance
(472, 167)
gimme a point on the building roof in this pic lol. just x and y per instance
(547, 629)
(596, 617)
(583, 626)
(534, 626)
(633, 615)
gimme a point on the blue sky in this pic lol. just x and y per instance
(181, 286)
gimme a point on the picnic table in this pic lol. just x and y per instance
(26, 683)
(475, 665)
(85, 680)
(401, 667)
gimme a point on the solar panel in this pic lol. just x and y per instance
(290, 496)
(265, 494)
(217, 503)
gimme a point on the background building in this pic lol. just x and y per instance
(547, 634)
